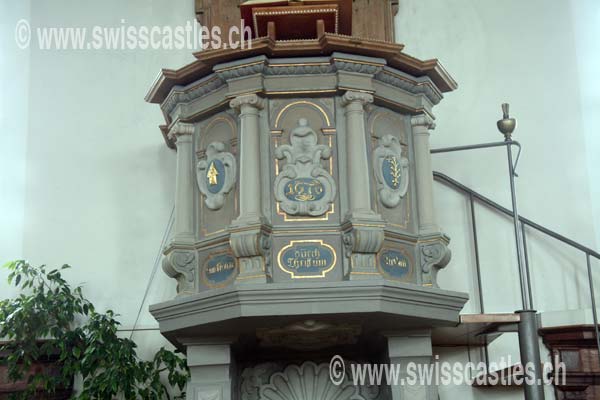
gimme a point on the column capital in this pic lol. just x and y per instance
(179, 129)
(251, 100)
(423, 120)
(352, 97)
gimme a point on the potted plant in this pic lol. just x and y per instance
(52, 333)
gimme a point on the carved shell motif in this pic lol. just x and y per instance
(308, 381)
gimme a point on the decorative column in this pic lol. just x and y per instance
(183, 228)
(421, 124)
(180, 260)
(413, 348)
(210, 370)
(247, 239)
(356, 149)
(433, 245)
(250, 194)
(364, 233)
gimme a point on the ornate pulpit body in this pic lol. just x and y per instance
(304, 223)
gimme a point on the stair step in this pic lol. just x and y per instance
(475, 330)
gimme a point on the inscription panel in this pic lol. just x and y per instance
(305, 257)
(396, 264)
(219, 269)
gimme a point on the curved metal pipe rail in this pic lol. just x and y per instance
(440, 177)
(473, 195)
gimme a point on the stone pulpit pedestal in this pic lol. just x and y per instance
(304, 224)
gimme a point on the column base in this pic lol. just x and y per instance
(210, 377)
(412, 348)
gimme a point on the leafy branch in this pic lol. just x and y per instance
(41, 324)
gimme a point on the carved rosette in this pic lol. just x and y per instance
(434, 256)
(216, 175)
(391, 171)
(304, 187)
(181, 265)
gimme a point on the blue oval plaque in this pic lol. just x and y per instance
(394, 264)
(219, 270)
(304, 189)
(307, 259)
(215, 176)
(391, 172)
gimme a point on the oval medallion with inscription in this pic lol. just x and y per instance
(394, 264)
(304, 189)
(219, 270)
(391, 172)
(215, 176)
(307, 259)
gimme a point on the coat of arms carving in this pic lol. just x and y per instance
(304, 187)
(216, 175)
(391, 171)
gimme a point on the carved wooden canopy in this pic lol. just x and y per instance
(368, 19)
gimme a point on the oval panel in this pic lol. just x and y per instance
(394, 264)
(219, 270)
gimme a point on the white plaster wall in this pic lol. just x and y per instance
(586, 23)
(97, 190)
(14, 98)
(533, 55)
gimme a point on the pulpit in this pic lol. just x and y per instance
(304, 223)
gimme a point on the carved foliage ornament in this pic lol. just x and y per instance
(434, 257)
(216, 175)
(391, 171)
(304, 187)
(181, 265)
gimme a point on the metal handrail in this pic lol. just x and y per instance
(451, 182)
(472, 195)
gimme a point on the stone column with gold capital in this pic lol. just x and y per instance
(364, 233)
(248, 239)
(421, 125)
